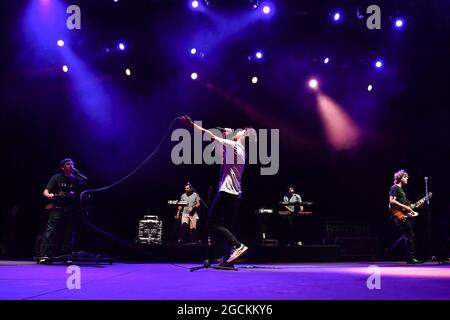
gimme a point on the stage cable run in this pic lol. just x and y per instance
(90, 191)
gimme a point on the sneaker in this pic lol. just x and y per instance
(237, 252)
(42, 260)
(225, 264)
(413, 261)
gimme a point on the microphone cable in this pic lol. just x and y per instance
(109, 235)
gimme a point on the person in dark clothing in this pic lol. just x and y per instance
(398, 202)
(62, 191)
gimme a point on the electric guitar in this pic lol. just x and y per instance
(402, 214)
(53, 203)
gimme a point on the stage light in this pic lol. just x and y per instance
(121, 46)
(127, 72)
(326, 60)
(194, 4)
(60, 43)
(266, 9)
(193, 51)
(378, 64)
(336, 16)
(341, 130)
(258, 55)
(65, 68)
(194, 76)
(313, 84)
(399, 23)
(255, 80)
(369, 87)
(116, 0)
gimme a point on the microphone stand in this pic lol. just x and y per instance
(427, 201)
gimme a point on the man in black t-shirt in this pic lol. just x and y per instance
(62, 191)
(399, 200)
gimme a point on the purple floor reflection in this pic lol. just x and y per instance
(295, 281)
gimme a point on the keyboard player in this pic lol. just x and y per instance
(295, 199)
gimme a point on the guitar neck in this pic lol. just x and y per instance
(419, 203)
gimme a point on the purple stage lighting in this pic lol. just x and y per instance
(369, 87)
(378, 64)
(65, 68)
(313, 84)
(121, 46)
(336, 16)
(193, 51)
(194, 76)
(258, 55)
(266, 9)
(326, 60)
(128, 72)
(60, 43)
(399, 23)
(255, 80)
(194, 4)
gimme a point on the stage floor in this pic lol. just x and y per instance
(294, 281)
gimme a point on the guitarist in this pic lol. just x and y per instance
(398, 200)
(62, 191)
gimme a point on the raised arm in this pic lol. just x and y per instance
(188, 121)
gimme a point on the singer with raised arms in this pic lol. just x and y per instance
(225, 205)
(62, 192)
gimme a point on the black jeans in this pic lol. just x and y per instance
(58, 236)
(408, 237)
(221, 217)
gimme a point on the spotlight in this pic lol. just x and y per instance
(194, 76)
(60, 43)
(194, 4)
(337, 16)
(127, 72)
(378, 64)
(121, 46)
(326, 60)
(266, 9)
(369, 87)
(193, 51)
(65, 68)
(313, 84)
(399, 23)
(254, 80)
(258, 55)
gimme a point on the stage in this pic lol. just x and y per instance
(25, 280)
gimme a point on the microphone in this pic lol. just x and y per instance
(78, 173)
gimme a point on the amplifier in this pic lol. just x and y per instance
(153, 218)
(346, 229)
(357, 246)
(149, 230)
